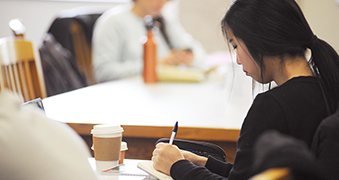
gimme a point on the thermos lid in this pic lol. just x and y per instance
(149, 22)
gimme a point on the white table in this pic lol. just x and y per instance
(204, 110)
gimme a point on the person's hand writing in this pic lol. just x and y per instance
(164, 156)
(178, 57)
(195, 159)
(186, 57)
(171, 59)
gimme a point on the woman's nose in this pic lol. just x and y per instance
(238, 61)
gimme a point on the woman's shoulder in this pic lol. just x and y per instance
(302, 79)
(296, 84)
(295, 92)
(295, 89)
(115, 15)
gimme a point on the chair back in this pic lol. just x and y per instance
(325, 145)
(17, 27)
(274, 174)
(19, 70)
(82, 30)
(73, 29)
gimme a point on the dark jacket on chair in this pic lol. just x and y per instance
(59, 72)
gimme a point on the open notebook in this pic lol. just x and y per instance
(148, 167)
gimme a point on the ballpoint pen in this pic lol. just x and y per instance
(174, 132)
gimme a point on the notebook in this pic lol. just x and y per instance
(177, 74)
(148, 167)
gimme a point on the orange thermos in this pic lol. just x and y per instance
(150, 54)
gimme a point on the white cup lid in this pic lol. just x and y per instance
(106, 128)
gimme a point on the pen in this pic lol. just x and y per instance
(174, 132)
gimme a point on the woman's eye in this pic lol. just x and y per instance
(235, 47)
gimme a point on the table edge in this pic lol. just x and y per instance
(192, 133)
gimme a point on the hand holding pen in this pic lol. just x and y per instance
(165, 155)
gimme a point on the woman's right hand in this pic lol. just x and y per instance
(195, 159)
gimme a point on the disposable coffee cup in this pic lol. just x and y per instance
(123, 152)
(106, 145)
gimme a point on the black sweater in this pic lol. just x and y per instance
(295, 108)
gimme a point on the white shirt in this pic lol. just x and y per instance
(117, 46)
(35, 147)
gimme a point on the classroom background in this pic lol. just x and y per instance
(201, 18)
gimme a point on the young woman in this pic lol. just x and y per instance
(270, 39)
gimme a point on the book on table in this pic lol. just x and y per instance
(125, 169)
(144, 168)
(148, 167)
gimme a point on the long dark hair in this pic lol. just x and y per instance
(277, 28)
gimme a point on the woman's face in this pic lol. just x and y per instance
(244, 58)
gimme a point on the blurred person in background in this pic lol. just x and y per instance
(119, 34)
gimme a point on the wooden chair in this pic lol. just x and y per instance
(325, 145)
(17, 27)
(274, 174)
(82, 43)
(19, 70)
(73, 30)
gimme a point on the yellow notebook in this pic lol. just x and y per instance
(148, 167)
(178, 74)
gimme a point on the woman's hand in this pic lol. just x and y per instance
(195, 159)
(186, 57)
(178, 57)
(164, 156)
